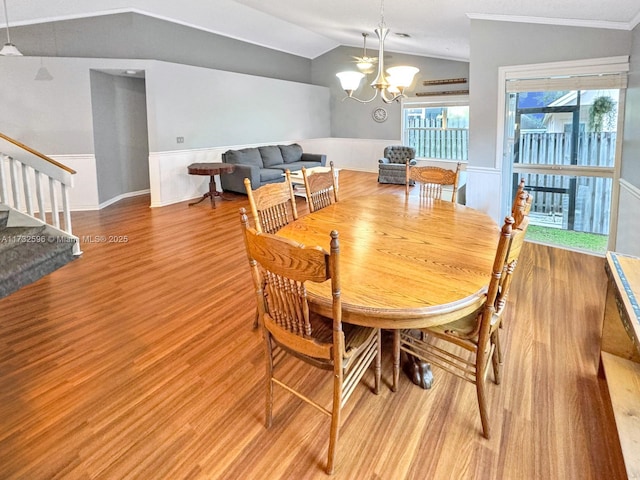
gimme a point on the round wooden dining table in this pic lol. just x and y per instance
(405, 262)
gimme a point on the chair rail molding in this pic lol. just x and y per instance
(170, 183)
(484, 190)
(628, 238)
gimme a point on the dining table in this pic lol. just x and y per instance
(406, 262)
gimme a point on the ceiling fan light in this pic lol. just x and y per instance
(401, 76)
(10, 50)
(350, 81)
(365, 67)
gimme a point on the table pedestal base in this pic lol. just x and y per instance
(419, 372)
(212, 193)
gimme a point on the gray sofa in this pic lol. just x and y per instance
(262, 165)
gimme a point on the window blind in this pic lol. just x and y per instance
(581, 82)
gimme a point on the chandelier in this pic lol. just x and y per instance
(391, 87)
(9, 49)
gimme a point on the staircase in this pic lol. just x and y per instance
(28, 253)
(32, 243)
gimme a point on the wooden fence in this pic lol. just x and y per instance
(583, 203)
(433, 142)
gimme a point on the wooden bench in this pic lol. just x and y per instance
(620, 353)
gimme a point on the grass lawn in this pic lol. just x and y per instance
(572, 240)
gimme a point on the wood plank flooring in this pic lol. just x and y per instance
(138, 360)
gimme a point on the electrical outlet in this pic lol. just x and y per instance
(180, 139)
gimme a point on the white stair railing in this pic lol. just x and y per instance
(25, 175)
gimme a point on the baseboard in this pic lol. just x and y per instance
(123, 196)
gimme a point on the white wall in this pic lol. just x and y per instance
(209, 108)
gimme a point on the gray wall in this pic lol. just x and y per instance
(631, 143)
(120, 134)
(350, 119)
(130, 35)
(212, 108)
(496, 44)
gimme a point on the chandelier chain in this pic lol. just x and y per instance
(6, 17)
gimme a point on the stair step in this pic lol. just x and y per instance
(10, 237)
(27, 262)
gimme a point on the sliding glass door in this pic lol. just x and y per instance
(564, 142)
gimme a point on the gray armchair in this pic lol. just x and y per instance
(392, 168)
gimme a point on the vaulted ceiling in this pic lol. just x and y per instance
(437, 28)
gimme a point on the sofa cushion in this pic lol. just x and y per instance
(271, 155)
(247, 156)
(270, 174)
(291, 153)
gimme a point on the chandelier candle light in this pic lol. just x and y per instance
(9, 49)
(394, 84)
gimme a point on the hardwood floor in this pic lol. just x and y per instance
(138, 360)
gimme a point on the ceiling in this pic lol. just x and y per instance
(309, 28)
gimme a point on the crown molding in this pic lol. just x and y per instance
(635, 21)
(565, 22)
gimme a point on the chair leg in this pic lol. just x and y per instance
(482, 400)
(496, 341)
(396, 360)
(256, 320)
(269, 379)
(496, 358)
(378, 361)
(336, 412)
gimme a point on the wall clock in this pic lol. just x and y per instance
(379, 114)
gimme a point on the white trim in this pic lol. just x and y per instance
(635, 21)
(628, 222)
(630, 188)
(123, 196)
(588, 66)
(566, 22)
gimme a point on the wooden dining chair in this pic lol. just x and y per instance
(431, 180)
(477, 334)
(273, 205)
(321, 188)
(281, 270)
(522, 202)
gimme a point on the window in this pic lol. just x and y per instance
(568, 158)
(438, 129)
